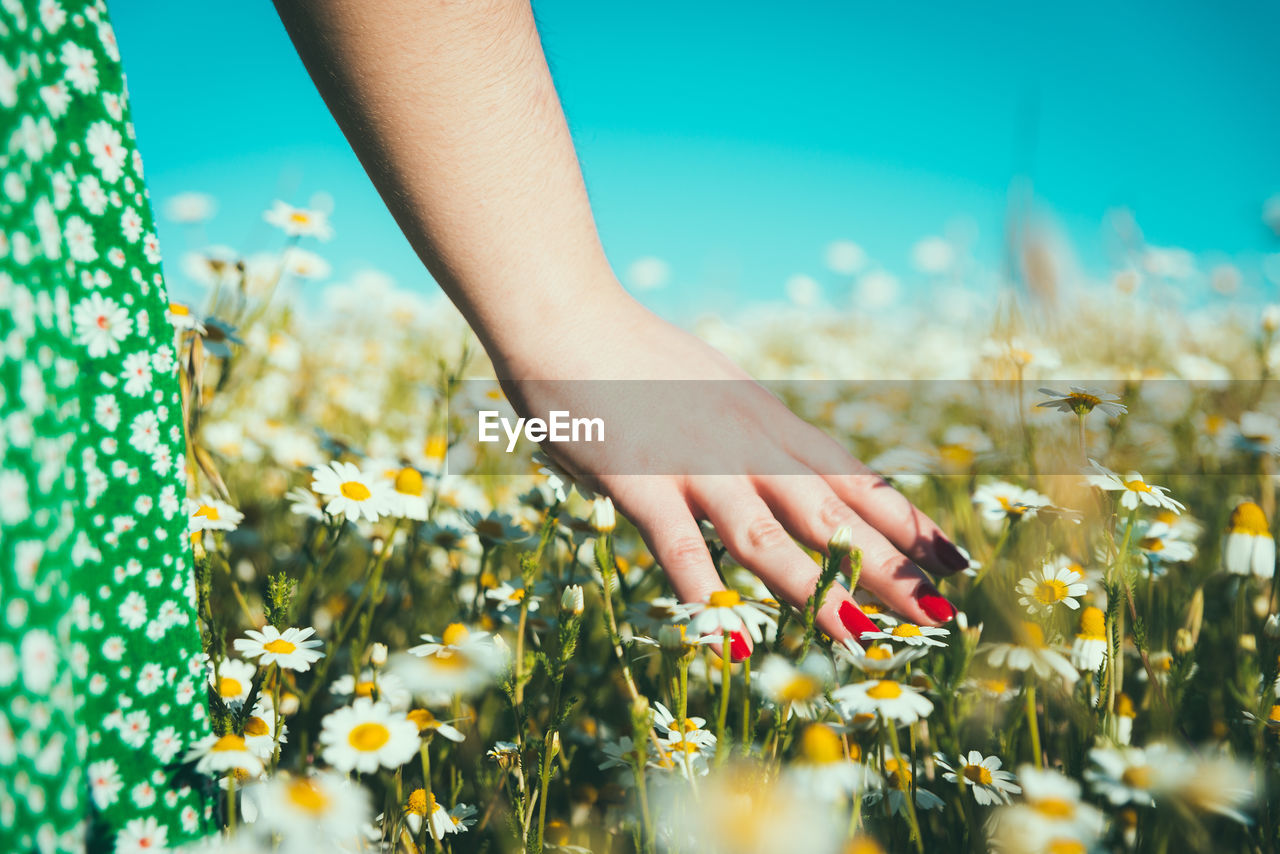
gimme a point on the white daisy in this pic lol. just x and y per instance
(877, 658)
(311, 812)
(216, 754)
(366, 735)
(726, 611)
(209, 514)
(1089, 649)
(1001, 501)
(1059, 582)
(353, 493)
(799, 690)
(232, 680)
(1030, 654)
(910, 634)
(423, 806)
(429, 724)
(1135, 490)
(290, 648)
(895, 700)
(982, 776)
(386, 687)
(1082, 401)
(1249, 547)
(1125, 775)
(299, 222)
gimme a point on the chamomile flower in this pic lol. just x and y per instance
(352, 493)
(233, 679)
(911, 635)
(1134, 490)
(799, 690)
(899, 780)
(823, 768)
(1030, 653)
(1082, 401)
(495, 529)
(210, 514)
(428, 724)
(423, 806)
(508, 597)
(386, 687)
(1089, 649)
(260, 729)
(312, 812)
(1249, 547)
(291, 648)
(877, 658)
(649, 617)
(460, 662)
(1258, 433)
(874, 608)
(1055, 799)
(366, 735)
(1001, 502)
(455, 637)
(665, 722)
(1059, 582)
(981, 775)
(217, 755)
(407, 498)
(299, 222)
(1126, 775)
(1160, 544)
(726, 611)
(894, 700)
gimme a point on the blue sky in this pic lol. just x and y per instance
(735, 140)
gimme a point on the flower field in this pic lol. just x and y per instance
(409, 659)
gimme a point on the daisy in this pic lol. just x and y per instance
(691, 728)
(460, 664)
(210, 514)
(1125, 776)
(141, 836)
(877, 658)
(899, 779)
(101, 324)
(651, 616)
(494, 528)
(1059, 582)
(429, 724)
(799, 691)
(299, 222)
(982, 776)
(688, 753)
(354, 494)
(366, 735)
(725, 611)
(509, 597)
(260, 729)
(1258, 433)
(407, 498)
(386, 687)
(1135, 490)
(313, 812)
(1056, 801)
(823, 769)
(911, 635)
(290, 648)
(233, 679)
(1030, 654)
(215, 754)
(455, 637)
(1002, 501)
(1089, 650)
(874, 608)
(1249, 548)
(894, 700)
(1160, 544)
(1082, 401)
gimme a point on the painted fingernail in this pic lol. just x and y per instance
(739, 649)
(856, 622)
(934, 604)
(950, 556)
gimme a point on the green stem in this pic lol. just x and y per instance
(1033, 723)
(903, 785)
(722, 716)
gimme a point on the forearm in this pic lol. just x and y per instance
(451, 109)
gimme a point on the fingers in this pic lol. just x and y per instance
(879, 504)
(755, 537)
(662, 516)
(812, 511)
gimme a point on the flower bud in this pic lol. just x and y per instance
(603, 520)
(1183, 642)
(841, 541)
(378, 654)
(1272, 627)
(571, 600)
(289, 704)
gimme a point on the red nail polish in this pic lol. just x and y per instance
(739, 649)
(950, 556)
(856, 622)
(934, 604)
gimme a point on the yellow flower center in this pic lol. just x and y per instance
(1033, 635)
(256, 726)
(1248, 518)
(1050, 591)
(1137, 776)
(517, 595)
(279, 646)
(1065, 846)
(819, 744)
(1055, 807)
(1274, 714)
(1124, 706)
(423, 719)
(880, 652)
(355, 490)
(178, 309)
(208, 512)
(863, 845)
(229, 687)
(418, 802)
(1152, 544)
(994, 686)
(885, 689)
(1010, 508)
(300, 217)
(906, 630)
(800, 688)
(957, 455)
(364, 689)
(369, 736)
(227, 744)
(435, 448)
(1079, 398)
(409, 482)
(557, 832)
(454, 634)
(1137, 486)
(871, 608)
(724, 599)
(977, 774)
(1093, 623)
(898, 774)
(306, 796)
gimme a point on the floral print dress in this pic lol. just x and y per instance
(102, 685)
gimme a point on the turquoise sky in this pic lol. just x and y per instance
(735, 140)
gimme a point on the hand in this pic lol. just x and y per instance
(690, 436)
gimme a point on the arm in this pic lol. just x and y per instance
(452, 110)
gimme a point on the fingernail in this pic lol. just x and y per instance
(739, 649)
(950, 556)
(934, 604)
(856, 622)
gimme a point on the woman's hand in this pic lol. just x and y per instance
(690, 436)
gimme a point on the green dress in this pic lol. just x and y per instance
(102, 681)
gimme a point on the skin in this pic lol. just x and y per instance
(451, 109)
